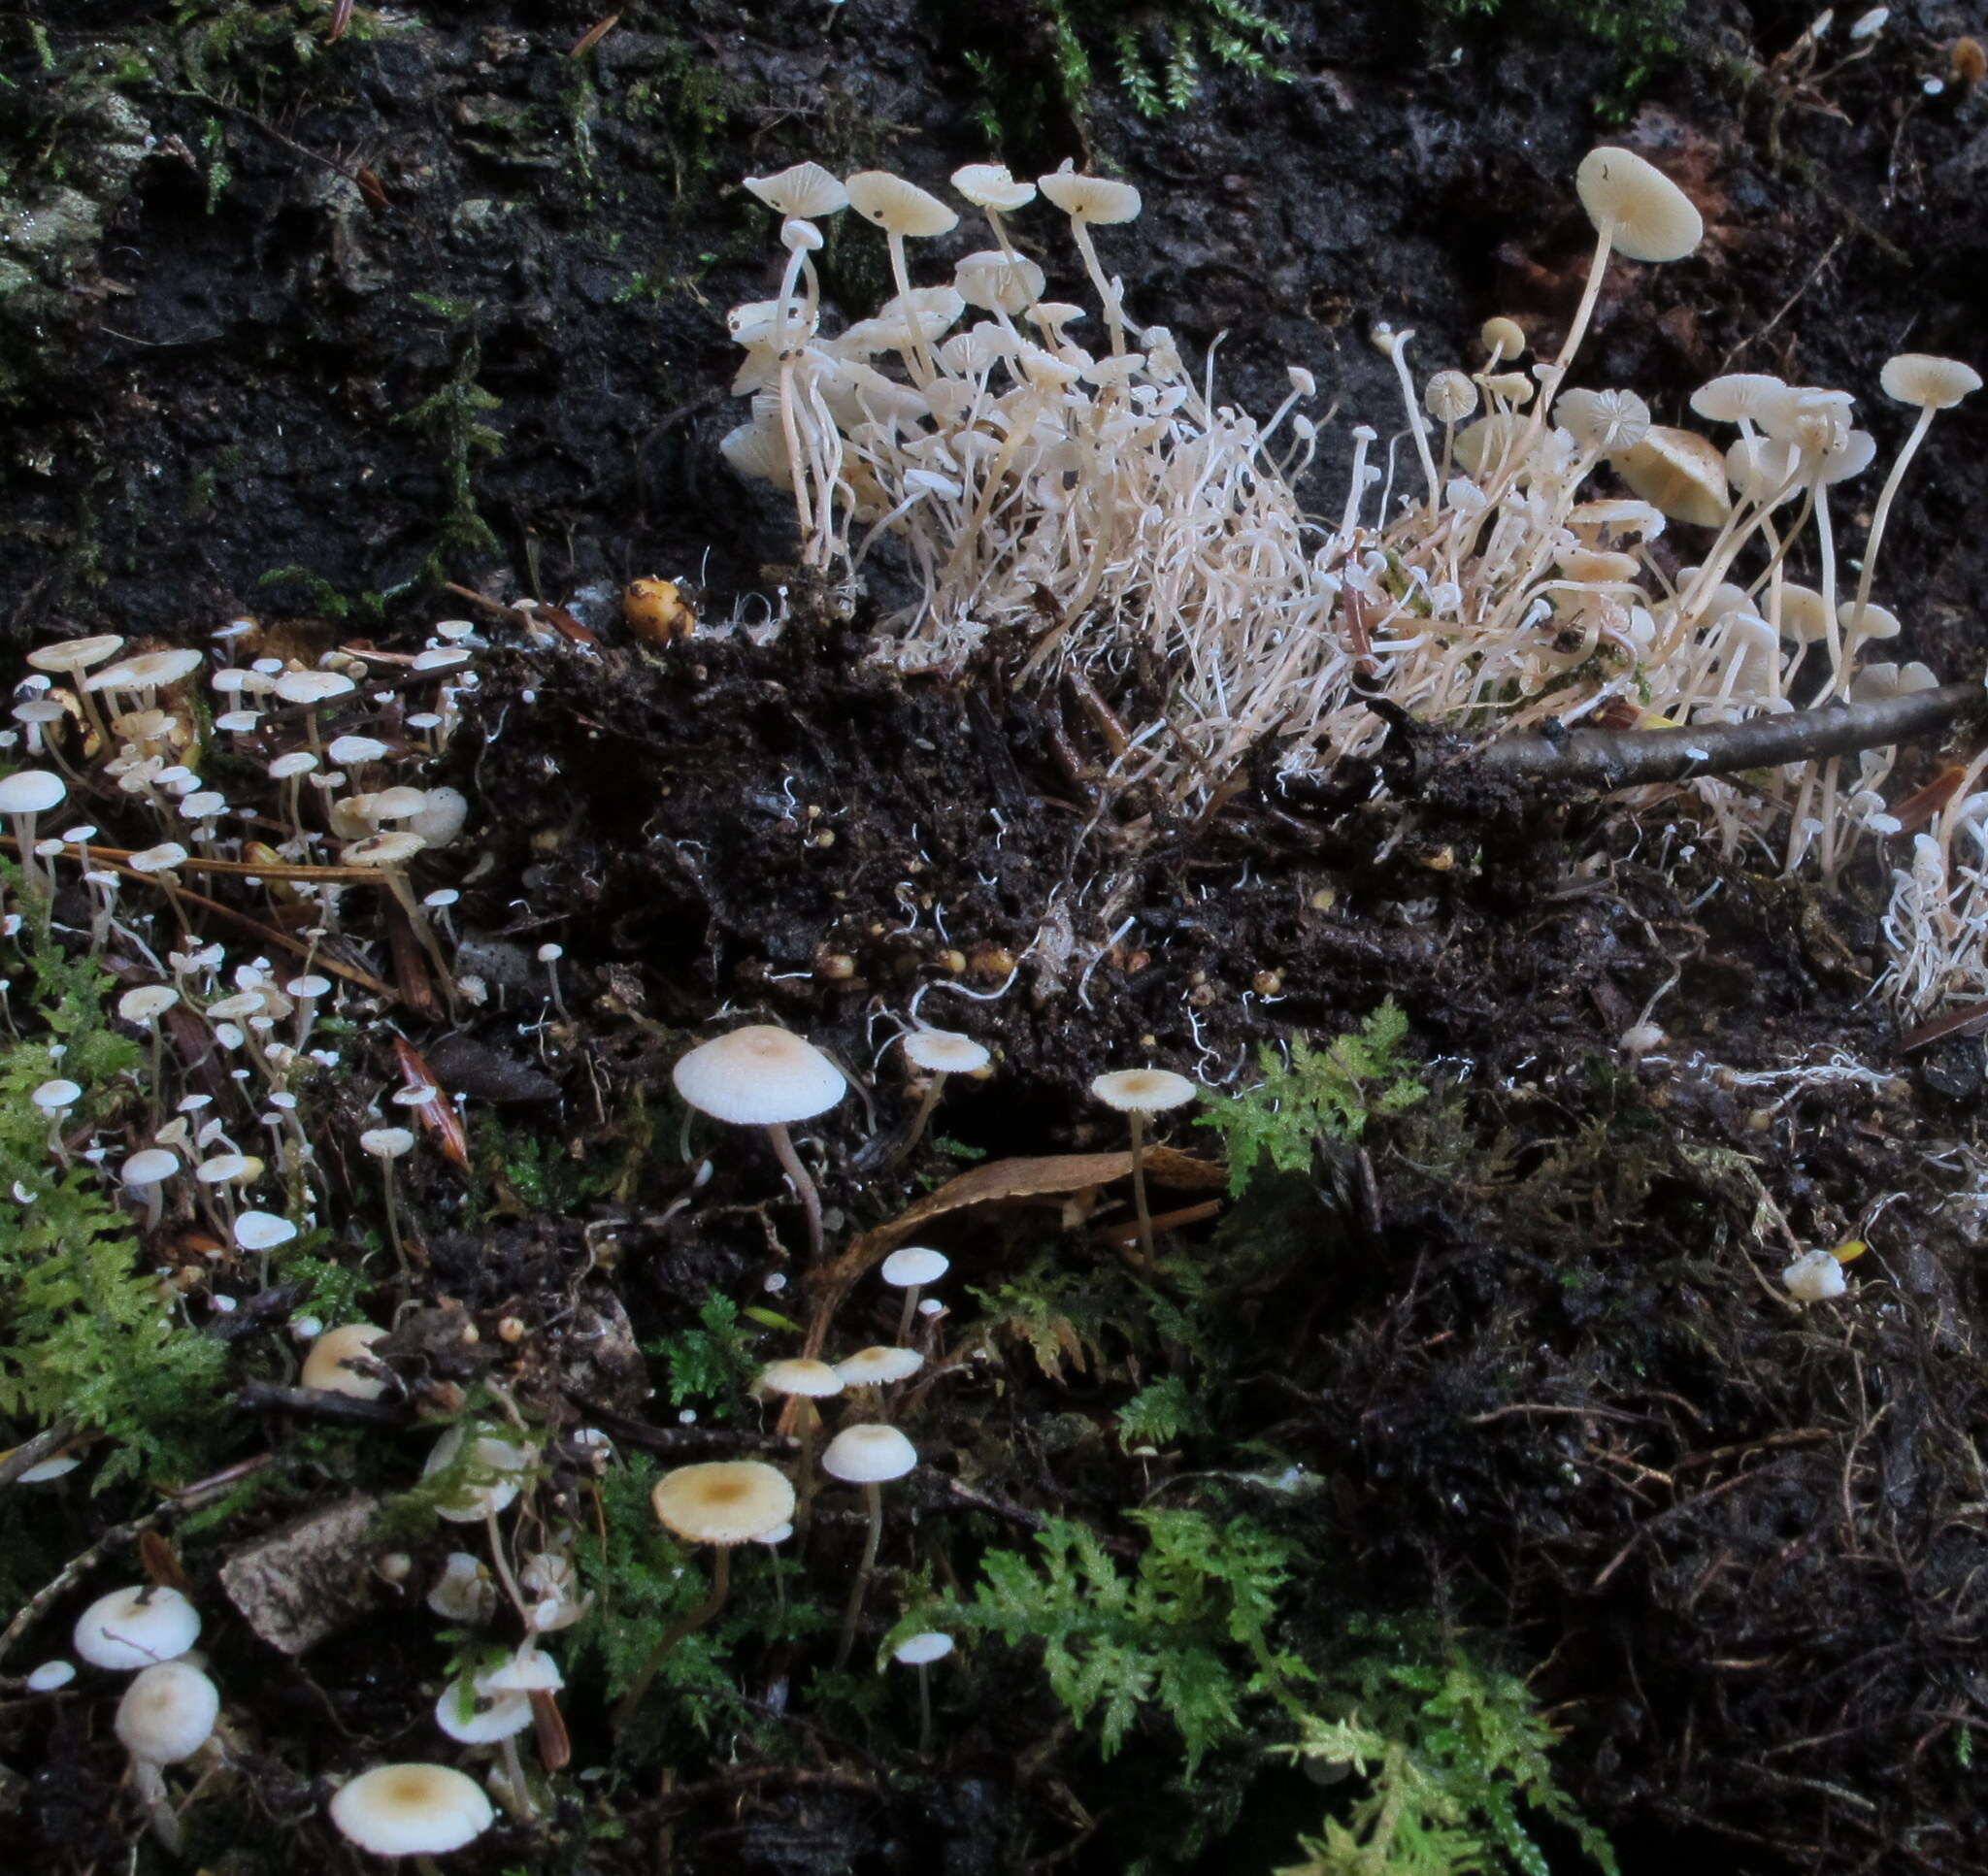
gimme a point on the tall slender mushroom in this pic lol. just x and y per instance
(909, 1269)
(1136, 1093)
(866, 1455)
(723, 1503)
(921, 1652)
(1933, 384)
(902, 209)
(939, 1052)
(1638, 212)
(765, 1076)
(1086, 200)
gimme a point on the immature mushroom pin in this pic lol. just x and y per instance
(412, 1810)
(1136, 1093)
(765, 1076)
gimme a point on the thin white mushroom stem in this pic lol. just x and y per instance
(1398, 356)
(1884, 513)
(920, 1120)
(920, 360)
(810, 1199)
(701, 1617)
(149, 1781)
(501, 1562)
(911, 1310)
(519, 1798)
(1114, 315)
(872, 1498)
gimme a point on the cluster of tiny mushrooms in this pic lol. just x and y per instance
(998, 461)
(1004, 458)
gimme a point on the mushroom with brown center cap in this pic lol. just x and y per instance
(765, 1076)
(1933, 384)
(412, 1810)
(1136, 1093)
(866, 1455)
(939, 1052)
(723, 1503)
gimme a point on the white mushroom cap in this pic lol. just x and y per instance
(147, 672)
(387, 1143)
(1680, 474)
(497, 1468)
(56, 1096)
(167, 1713)
(868, 1455)
(989, 186)
(443, 814)
(149, 1167)
(1815, 1276)
(913, 1267)
(314, 686)
(262, 1230)
(464, 1591)
(75, 654)
(50, 1675)
(1851, 454)
(992, 279)
(1090, 198)
(526, 1669)
(1933, 383)
(325, 1370)
(1760, 467)
(899, 207)
(760, 1076)
(797, 236)
(482, 1718)
(31, 791)
(348, 749)
(297, 762)
(1603, 420)
(412, 1810)
(135, 1627)
(147, 1001)
(944, 1051)
(878, 1367)
(812, 1380)
(1616, 515)
(162, 858)
(919, 1650)
(728, 1502)
(1869, 620)
(1739, 396)
(1144, 1090)
(803, 189)
(1805, 617)
(1650, 217)
(1449, 397)
(383, 850)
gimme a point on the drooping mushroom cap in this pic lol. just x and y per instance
(482, 1720)
(1805, 617)
(1090, 198)
(167, 1713)
(943, 1051)
(919, 1650)
(148, 671)
(464, 1592)
(412, 1810)
(149, 1167)
(1502, 336)
(135, 1627)
(1933, 383)
(1759, 467)
(913, 1267)
(879, 1367)
(810, 1379)
(31, 791)
(1144, 1090)
(394, 849)
(497, 1470)
(728, 1502)
(325, 1370)
(1648, 215)
(1849, 454)
(868, 1455)
(803, 189)
(990, 186)
(1680, 474)
(899, 208)
(262, 1230)
(1869, 620)
(992, 279)
(760, 1076)
(314, 686)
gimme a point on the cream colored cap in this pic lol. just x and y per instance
(868, 1455)
(812, 1380)
(1144, 1090)
(1678, 472)
(898, 207)
(1648, 215)
(879, 1367)
(325, 1370)
(760, 1076)
(944, 1051)
(167, 1713)
(1090, 198)
(803, 189)
(1933, 383)
(728, 1502)
(412, 1810)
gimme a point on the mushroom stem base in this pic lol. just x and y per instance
(706, 1613)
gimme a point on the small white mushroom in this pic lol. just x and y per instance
(135, 1627)
(909, 1269)
(867, 1455)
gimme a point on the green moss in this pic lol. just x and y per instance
(450, 419)
(1633, 38)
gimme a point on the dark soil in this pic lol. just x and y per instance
(1533, 1348)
